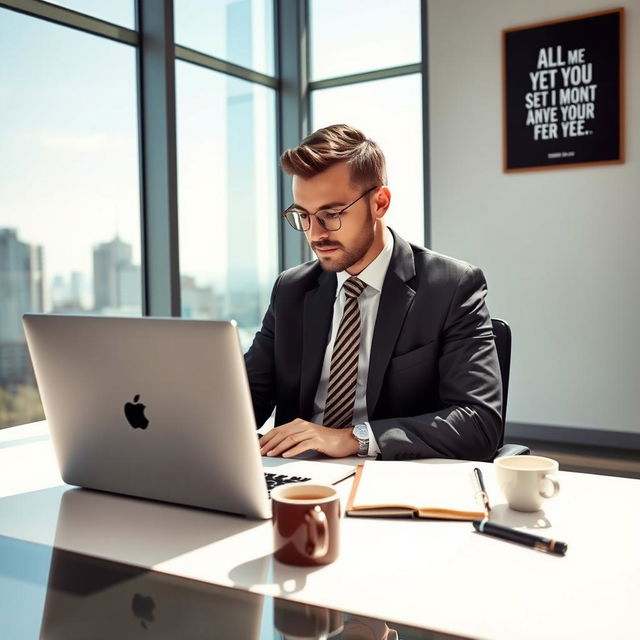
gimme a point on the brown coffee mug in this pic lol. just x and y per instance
(306, 524)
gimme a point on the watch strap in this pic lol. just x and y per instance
(363, 443)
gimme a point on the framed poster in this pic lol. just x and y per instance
(563, 92)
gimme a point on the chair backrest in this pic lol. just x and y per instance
(502, 335)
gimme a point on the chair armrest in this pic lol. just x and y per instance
(513, 450)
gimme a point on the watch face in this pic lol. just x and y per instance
(361, 431)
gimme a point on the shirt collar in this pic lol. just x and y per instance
(374, 274)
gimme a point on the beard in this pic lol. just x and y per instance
(345, 257)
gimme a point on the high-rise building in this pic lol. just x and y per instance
(67, 295)
(242, 232)
(196, 301)
(21, 291)
(116, 280)
(58, 291)
(76, 286)
(21, 283)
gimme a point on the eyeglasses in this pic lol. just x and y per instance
(329, 220)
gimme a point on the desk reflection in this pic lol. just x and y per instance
(98, 599)
(297, 621)
(89, 597)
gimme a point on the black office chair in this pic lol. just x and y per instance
(502, 335)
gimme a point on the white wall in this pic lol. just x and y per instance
(560, 248)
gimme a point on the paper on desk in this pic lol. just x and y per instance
(447, 488)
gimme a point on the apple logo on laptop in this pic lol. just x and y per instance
(134, 412)
(142, 607)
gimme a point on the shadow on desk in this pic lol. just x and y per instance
(286, 578)
(502, 514)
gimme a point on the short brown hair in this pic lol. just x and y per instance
(337, 143)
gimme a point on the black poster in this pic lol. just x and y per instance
(563, 92)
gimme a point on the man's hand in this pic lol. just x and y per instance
(299, 435)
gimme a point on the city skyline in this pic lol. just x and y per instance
(116, 282)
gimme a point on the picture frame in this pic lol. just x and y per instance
(563, 92)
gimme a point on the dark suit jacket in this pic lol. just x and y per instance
(433, 387)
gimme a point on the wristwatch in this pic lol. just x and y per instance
(361, 434)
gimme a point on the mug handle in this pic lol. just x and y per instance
(554, 484)
(317, 533)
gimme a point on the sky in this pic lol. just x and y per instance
(68, 140)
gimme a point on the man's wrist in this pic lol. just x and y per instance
(354, 445)
(351, 442)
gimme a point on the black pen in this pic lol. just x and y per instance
(477, 474)
(521, 537)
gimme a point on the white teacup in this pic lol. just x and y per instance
(527, 480)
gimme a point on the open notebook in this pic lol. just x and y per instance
(415, 490)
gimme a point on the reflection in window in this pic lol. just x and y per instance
(351, 36)
(69, 196)
(227, 166)
(390, 112)
(240, 31)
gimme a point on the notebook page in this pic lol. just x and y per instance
(440, 486)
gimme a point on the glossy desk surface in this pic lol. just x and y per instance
(433, 575)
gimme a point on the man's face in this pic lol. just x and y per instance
(332, 190)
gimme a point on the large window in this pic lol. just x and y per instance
(239, 31)
(227, 197)
(69, 193)
(380, 42)
(351, 36)
(227, 179)
(389, 112)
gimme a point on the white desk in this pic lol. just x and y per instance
(438, 575)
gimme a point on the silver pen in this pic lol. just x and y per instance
(477, 474)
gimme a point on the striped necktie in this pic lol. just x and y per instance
(343, 373)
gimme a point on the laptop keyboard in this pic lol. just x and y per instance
(275, 480)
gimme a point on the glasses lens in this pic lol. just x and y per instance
(330, 220)
(296, 220)
(300, 221)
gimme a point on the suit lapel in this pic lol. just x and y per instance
(316, 326)
(395, 301)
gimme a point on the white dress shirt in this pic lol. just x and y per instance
(368, 302)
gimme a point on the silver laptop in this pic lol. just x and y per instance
(158, 408)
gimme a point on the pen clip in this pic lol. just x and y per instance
(482, 497)
(482, 492)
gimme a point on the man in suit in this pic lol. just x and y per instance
(378, 347)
